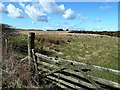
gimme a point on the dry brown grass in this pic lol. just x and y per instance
(17, 74)
(63, 33)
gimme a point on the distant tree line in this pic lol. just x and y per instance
(109, 33)
(59, 30)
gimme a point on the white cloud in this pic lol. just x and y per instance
(105, 7)
(108, 0)
(52, 7)
(21, 4)
(36, 13)
(38, 10)
(62, 0)
(66, 25)
(1, 6)
(84, 18)
(33, 22)
(2, 9)
(14, 12)
(69, 14)
(63, 25)
(78, 15)
(21, 0)
(97, 20)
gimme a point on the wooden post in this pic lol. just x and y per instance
(31, 37)
(35, 72)
(6, 46)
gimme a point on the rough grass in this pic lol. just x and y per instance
(102, 51)
(90, 49)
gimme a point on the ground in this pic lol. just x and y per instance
(94, 49)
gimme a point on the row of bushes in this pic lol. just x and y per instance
(59, 30)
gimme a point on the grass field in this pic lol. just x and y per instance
(92, 49)
(102, 51)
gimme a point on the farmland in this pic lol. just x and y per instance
(92, 49)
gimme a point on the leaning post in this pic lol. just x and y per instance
(31, 38)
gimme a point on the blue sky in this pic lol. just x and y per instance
(97, 16)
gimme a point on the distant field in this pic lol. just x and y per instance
(92, 49)
(88, 48)
(37, 32)
(97, 50)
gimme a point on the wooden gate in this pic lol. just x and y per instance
(68, 73)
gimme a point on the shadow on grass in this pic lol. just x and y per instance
(44, 52)
(23, 49)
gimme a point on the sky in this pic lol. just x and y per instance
(96, 16)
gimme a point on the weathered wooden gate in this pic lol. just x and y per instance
(69, 74)
(72, 74)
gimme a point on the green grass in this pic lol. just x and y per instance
(101, 51)
(19, 40)
(94, 50)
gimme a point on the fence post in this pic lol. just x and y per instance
(6, 46)
(31, 38)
